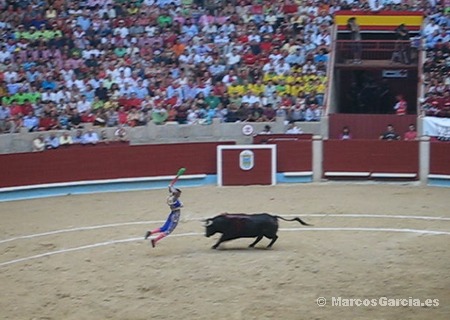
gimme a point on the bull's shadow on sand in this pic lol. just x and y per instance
(242, 248)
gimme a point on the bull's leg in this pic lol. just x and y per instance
(258, 239)
(274, 238)
(221, 239)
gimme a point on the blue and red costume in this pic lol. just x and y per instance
(172, 220)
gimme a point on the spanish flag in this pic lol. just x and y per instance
(380, 20)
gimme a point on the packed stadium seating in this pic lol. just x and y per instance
(436, 68)
(131, 62)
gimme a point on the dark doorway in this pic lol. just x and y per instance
(373, 91)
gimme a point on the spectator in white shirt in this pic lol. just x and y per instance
(282, 67)
(206, 58)
(323, 36)
(186, 57)
(63, 94)
(89, 51)
(309, 67)
(227, 28)
(90, 137)
(376, 5)
(122, 30)
(10, 76)
(76, 82)
(266, 28)
(254, 37)
(233, 58)
(39, 143)
(67, 73)
(83, 105)
(430, 27)
(297, 57)
(229, 78)
(49, 95)
(209, 29)
(221, 39)
(275, 56)
(313, 113)
(189, 28)
(65, 139)
(216, 68)
(52, 141)
(4, 54)
(293, 129)
(250, 98)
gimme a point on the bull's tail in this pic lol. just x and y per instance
(294, 219)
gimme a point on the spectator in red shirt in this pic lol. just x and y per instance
(16, 109)
(88, 117)
(289, 7)
(249, 57)
(123, 116)
(27, 107)
(411, 134)
(219, 89)
(269, 114)
(49, 122)
(133, 102)
(266, 44)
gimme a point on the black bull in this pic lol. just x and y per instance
(240, 225)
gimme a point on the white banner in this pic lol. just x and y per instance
(436, 127)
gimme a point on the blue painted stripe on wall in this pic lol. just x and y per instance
(281, 178)
(49, 191)
(439, 182)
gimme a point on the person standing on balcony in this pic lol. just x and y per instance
(401, 106)
(402, 44)
(355, 35)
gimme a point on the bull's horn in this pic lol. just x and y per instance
(207, 223)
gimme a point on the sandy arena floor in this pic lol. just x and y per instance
(84, 257)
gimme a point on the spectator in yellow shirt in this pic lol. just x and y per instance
(310, 85)
(320, 91)
(258, 87)
(292, 78)
(280, 78)
(270, 76)
(245, 85)
(295, 88)
(235, 88)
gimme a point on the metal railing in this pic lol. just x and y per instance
(403, 51)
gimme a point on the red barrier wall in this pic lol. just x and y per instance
(294, 155)
(371, 156)
(123, 161)
(368, 126)
(106, 162)
(294, 151)
(440, 158)
(233, 175)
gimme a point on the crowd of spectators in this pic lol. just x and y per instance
(128, 62)
(436, 68)
(79, 137)
(65, 63)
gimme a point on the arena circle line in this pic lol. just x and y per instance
(101, 244)
(321, 215)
